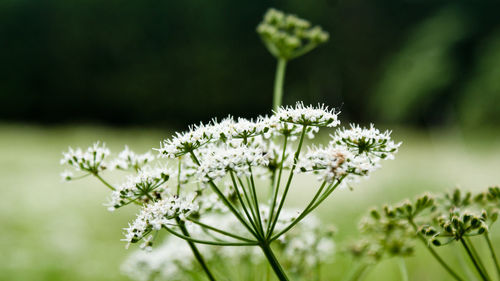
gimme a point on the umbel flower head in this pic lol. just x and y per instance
(128, 159)
(160, 214)
(287, 36)
(90, 161)
(233, 167)
(146, 186)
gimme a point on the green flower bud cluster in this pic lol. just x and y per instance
(288, 36)
(436, 220)
(384, 235)
(456, 225)
(491, 197)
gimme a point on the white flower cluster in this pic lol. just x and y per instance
(351, 153)
(170, 261)
(369, 141)
(184, 143)
(146, 186)
(218, 161)
(91, 161)
(156, 215)
(330, 162)
(128, 159)
(302, 249)
(287, 121)
(320, 116)
(308, 245)
(243, 128)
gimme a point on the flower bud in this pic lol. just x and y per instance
(436, 242)
(375, 214)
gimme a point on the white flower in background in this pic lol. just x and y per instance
(67, 175)
(156, 215)
(320, 116)
(309, 244)
(369, 141)
(169, 261)
(91, 160)
(128, 159)
(146, 186)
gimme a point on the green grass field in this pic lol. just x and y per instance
(52, 230)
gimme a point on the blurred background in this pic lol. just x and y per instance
(132, 72)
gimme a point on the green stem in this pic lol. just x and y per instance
(434, 254)
(289, 181)
(207, 242)
(403, 270)
(493, 255)
(256, 200)
(273, 261)
(221, 231)
(476, 256)
(250, 216)
(104, 182)
(278, 83)
(463, 264)
(474, 261)
(226, 201)
(195, 251)
(276, 189)
(355, 273)
(304, 213)
(179, 177)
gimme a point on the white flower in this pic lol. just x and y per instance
(170, 261)
(242, 128)
(333, 163)
(156, 215)
(67, 175)
(369, 141)
(184, 143)
(320, 116)
(217, 161)
(147, 185)
(128, 159)
(91, 161)
(308, 244)
(329, 162)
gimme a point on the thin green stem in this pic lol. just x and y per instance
(273, 262)
(301, 216)
(179, 177)
(104, 182)
(245, 208)
(476, 256)
(492, 252)
(207, 242)
(474, 261)
(463, 264)
(290, 177)
(276, 188)
(221, 231)
(402, 269)
(278, 83)
(226, 201)
(195, 251)
(434, 254)
(250, 204)
(256, 201)
(355, 273)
